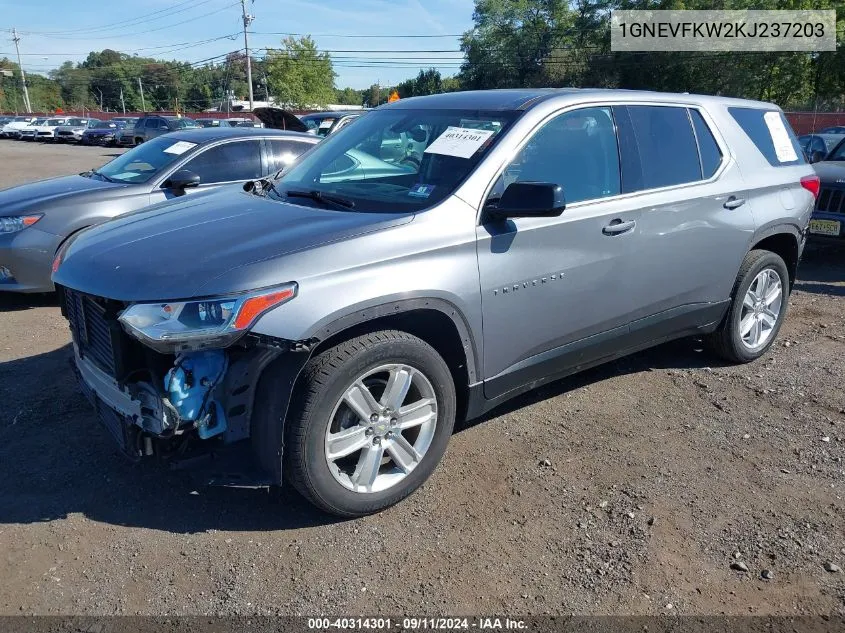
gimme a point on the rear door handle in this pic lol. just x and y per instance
(734, 203)
(618, 226)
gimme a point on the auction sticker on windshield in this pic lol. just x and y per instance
(179, 147)
(325, 124)
(459, 141)
(780, 137)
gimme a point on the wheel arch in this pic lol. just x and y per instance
(784, 240)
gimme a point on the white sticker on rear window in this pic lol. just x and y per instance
(784, 149)
(459, 141)
(179, 147)
(326, 124)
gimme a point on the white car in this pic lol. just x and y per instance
(28, 132)
(73, 129)
(13, 128)
(47, 132)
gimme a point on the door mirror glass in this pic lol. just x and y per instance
(528, 200)
(182, 179)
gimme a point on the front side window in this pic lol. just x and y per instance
(152, 124)
(576, 150)
(142, 163)
(395, 160)
(838, 152)
(240, 160)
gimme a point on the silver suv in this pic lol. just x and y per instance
(426, 263)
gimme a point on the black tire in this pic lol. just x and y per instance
(727, 341)
(323, 381)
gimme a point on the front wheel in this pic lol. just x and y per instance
(758, 307)
(369, 423)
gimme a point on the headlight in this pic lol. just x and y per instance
(190, 325)
(15, 223)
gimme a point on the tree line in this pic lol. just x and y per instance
(513, 43)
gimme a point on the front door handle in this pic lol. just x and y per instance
(734, 203)
(618, 226)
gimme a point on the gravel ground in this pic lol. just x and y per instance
(661, 483)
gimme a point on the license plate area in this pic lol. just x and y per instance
(825, 227)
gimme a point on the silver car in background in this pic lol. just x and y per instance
(431, 260)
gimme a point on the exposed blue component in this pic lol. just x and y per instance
(189, 385)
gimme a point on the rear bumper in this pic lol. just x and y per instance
(28, 256)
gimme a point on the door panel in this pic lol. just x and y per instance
(549, 282)
(691, 245)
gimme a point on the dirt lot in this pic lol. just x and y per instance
(632, 488)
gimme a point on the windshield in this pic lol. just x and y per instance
(76, 122)
(143, 162)
(181, 124)
(396, 161)
(54, 122)
(104, 124)
(838, 152)
(38, 122)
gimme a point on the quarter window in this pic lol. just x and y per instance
(762, 133)
(576, 150)
(240, 160)
(708, 149)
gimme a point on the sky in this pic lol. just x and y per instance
(386, 47)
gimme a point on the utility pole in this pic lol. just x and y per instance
(141, 88)
(247, 21)
(26, 103)
(122, 102)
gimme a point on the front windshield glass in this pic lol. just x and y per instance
(54, 122)
(143, 162)
(395, 161)
(838, 152)
(180, 124)
(76, 122)
(105, 124)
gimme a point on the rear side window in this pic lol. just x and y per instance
(771, 133)
(666, 143)
(708, 149)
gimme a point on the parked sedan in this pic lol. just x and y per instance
(28, 132)
(12, 128)
(73, 129)
(47, 131)
(39, 217)
(103, 133)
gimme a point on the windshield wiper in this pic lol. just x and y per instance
(102, 175)
(325, 198)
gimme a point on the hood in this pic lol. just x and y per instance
(185, 248)
(831, 172)
(279, 119)
(40, 196)
(16, 125)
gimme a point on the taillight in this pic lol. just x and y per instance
(812, 184)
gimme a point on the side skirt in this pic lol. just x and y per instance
(595, 350)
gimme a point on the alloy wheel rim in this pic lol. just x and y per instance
(381, 428)
(761, 308)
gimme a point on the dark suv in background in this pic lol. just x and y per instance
(148, 127)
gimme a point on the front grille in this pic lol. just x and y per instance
(94, 334)
(831, 200)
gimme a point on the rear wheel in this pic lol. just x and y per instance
(758, 307)
(369, 423)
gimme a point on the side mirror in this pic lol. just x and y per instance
(528, 200)
(182, 179)
(817, 156)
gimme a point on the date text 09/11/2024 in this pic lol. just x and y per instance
(417, 624)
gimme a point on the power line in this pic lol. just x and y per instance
(134, 50)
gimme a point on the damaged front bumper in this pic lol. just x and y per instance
(198, 416)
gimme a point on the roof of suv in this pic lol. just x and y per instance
(523, 99)
(206, 134)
